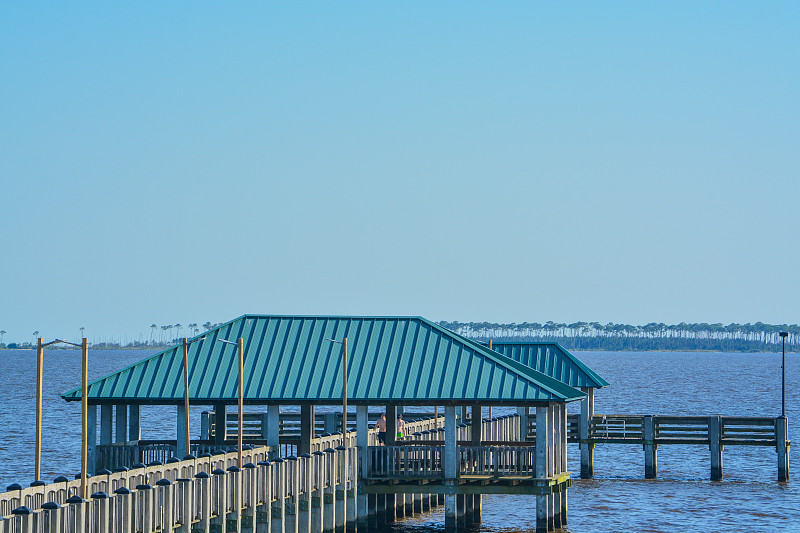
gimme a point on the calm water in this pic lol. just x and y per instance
(618, 499)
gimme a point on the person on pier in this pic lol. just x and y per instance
(401, 426)
(381, 425)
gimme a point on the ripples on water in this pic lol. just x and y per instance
(682, 499)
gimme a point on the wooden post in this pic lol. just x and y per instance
(715, 446)
(782, 438)
(542, 429)
(564, 435)
(181, 450)
(450, 466)
(121, 423)
(362, 437)
(587, 448)
(241, 401)
(91, 440)
(477, 425)
(650, 448)
(344, 389)
(557, 439)
(306, 428)
(134, 422)
(273, 430)
(107, 425)
(38, 445)
(84, 414)
(391, 425)
(187, 435)
(523, 423)
(185, 486)
(220, 423)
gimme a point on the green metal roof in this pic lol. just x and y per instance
(287, 359)
(551, 359)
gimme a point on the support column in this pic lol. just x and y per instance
(477, 425)
(563, 454)
(391, 425)
(715, 446)
(91, 441)
(121, 426)
(587, 448)
(542, 501)
(450, 461)
(362, 439)
(477, 508)
(273, 430)
(557, 438)
(134, 422)
(306, 428)
(180, 448)
(551, 464)
(523, 423)
(220, 423)
(650, 448)
(782, 436)
(106, 424)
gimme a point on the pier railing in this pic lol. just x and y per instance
(206, 494)
(630, 429)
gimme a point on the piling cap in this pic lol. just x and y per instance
(341, 448)
(202, 475)
(122, 490)
(262, 463)
(173, 460)
(233, 468)
(75, 499)
(155, 463)
(144, 486)
(21, 510)
(247, 447)
(248, 465)
(218, 472)
(326, 434)
(103, 472)
(49, 506)
(330, 450)
(189, 457)
(292, 458)
(138, 465)
(163, 482)
(14, 486)
(277, 460)
(61, 479)
(317, 453)
(37, 483)
(99, 495)
(121, 469)
(204, 455)
(305, 455)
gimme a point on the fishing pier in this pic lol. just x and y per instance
(285, 461)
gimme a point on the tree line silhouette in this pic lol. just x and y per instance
(758, 337)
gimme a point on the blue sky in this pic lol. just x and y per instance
(624, 162)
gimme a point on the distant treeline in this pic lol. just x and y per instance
(758, 337)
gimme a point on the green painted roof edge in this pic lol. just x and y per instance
(552, 384)
(594, 375)
(546, 382)
(71, 394)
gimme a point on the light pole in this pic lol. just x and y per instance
(186, 390)
(343, 342)
(84, 346)
(240, 344)
(783, 335)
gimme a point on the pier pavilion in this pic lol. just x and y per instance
(392, 362)
(551, 359)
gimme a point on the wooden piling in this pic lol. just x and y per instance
(715, 446)
(650, 448)
(782, 440)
